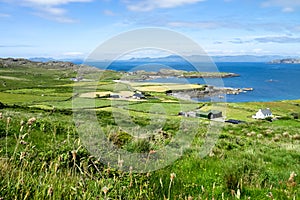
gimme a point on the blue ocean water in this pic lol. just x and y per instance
(271, 82)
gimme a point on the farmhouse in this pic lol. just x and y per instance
(262, 114)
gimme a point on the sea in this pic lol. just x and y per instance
(270, 82)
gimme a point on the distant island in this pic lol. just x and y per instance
(286, 61)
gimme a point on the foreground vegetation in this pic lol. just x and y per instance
(42, 156)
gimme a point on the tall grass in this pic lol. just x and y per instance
(42, 157)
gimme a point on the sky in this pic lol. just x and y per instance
(74, 28)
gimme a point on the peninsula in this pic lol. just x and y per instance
(165, 73)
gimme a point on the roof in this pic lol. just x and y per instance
(138, 95)
(235, 121)
(209, 112)
(215, 112)
(266, 111)
(115, 96)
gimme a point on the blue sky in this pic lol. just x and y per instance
(74, 28)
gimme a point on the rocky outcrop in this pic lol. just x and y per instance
(207, 91)
(286, 61)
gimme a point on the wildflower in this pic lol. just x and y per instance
(292, 176)
(8, 120)
(172, 176)
(0, 115)
(22, 123)
(22, 155)
(291, 181)
(74, 154)
(50, 191)
(105, 190)
(270, 195)
(31, 121)
(152, 152)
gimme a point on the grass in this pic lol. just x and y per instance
(9, 98)
(166, 87)
(163, 108)
(43, 166)
(42, 156)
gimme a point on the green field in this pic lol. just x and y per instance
(44, 156)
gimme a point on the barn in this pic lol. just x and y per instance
(210, 114)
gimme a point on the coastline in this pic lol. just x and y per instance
(142, 75)
(208, 92)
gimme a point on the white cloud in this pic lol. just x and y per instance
(201, 25)
(50, 9)
(286, 5)
(288, 9)
(148, 5)
(4, 15)
(73, 54)
(109, 13)
(278, 39)
(54, 2)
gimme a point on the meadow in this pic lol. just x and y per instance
(42, 155)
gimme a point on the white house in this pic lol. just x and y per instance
(262, 114)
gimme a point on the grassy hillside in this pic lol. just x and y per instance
(43, 156)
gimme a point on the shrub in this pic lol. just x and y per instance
(120, 138)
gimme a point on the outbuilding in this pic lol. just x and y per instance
(210, 114)
(138, 96)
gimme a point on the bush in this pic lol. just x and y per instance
(120, 138)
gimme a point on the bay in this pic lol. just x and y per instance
(271, 82)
